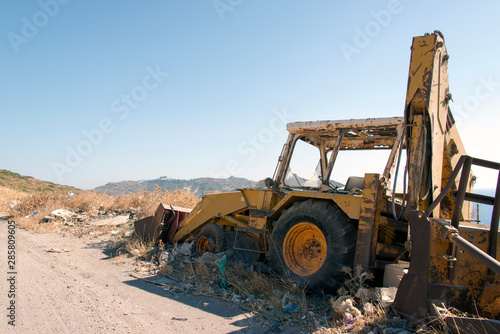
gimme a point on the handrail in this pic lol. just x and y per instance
(464, 164)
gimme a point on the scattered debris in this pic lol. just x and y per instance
(185, 249)
(290, 304)
(57, 250)
(157, 283)
(207, 258)
(65, 214)
(115, 221)
(12, 204)
(221, 264)
(386, 295)
(165, 258)
(344, 305)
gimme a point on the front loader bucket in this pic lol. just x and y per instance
(163, 225)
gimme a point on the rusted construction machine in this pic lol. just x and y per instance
(310, 229)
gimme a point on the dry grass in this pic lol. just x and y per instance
(85, 201)
(31, 209)
(140, 249)
(148, 201)
(8, 195)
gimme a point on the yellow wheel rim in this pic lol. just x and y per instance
(204, 245)
(304, 249)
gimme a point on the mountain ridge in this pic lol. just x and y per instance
(199, 185)
(29, 184)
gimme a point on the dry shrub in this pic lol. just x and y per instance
(87, 200)
(268, 286)
(139, 248)
(259, 285)
(254, 283)
(34, 207)
(356, 279)
(165, 268)
(202, 271)
(148, 201)
(40, 202)
(32, 223)
(8, 195)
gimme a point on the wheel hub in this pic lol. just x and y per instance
(204, 245)
(304, 249)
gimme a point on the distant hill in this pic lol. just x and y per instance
(28, 184)
(199, 185)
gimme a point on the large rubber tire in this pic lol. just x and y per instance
(211, 238)
(311, 243)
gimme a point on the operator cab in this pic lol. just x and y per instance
(310, 160)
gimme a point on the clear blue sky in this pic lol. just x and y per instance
(100, 91)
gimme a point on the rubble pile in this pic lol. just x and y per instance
(93, 222)
(254, 289)
(250, 286)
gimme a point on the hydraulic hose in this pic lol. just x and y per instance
(429, 178)
(398, 216)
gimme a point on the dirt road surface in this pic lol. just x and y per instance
(79, 289)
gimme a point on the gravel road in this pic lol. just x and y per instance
(79, 289)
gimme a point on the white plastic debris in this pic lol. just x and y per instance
(64, 214)
(344, 305)
(369, 309)
(186, 248)
(386, 295)
(13, 204)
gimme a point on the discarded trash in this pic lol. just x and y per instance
(165, 258)
(221, 264)
(118, 220)
(344, 304)
(186, 248)
(394, 273)
(291, 308)
(207, 258)
(153, 282)
(386, 295)
(179, 319)
(33, 214)
(56, 250)
(290, 304)
(12, 204)
(64, 214)
(349, 322)
(236, 298)
(366, 294)
(369, 309)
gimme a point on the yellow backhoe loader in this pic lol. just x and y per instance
(415, 209)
